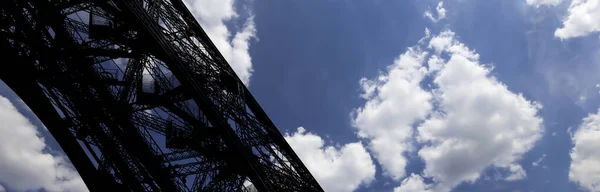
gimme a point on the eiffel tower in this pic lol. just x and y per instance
(140, 99)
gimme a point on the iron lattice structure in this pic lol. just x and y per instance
(140, 99)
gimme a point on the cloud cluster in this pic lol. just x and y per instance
(24, 160)
(585, 156)
(336, 169)
(467, 122)
(233, 44)
(441, 13)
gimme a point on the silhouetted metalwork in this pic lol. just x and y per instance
(140, 99)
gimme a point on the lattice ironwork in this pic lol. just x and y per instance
(140, 99)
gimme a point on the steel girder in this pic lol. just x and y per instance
(140, 99)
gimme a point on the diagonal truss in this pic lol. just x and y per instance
(140, 99)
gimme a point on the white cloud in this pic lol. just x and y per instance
(435, 63)
(583, 19)
(336, 169)
(429, 15)
(441, 13)
(446, 41)
(427, 36)
(585, 156)
(2, 189)
(537, 163)
(212, 15)
(24, 163)
(538, 3)
(395, 101)
(414, 183)
(517, 173)
(440, 10)
(441, 42)
(479, 122)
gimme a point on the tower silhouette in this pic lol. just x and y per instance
(140, 99)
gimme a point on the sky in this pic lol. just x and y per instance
(403, 96)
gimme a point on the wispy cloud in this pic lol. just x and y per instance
(537, 162)
(538, 3)
(440, 11)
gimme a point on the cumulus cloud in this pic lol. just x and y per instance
(479, 122)
(441, 13)
(24, 160)
(538, 3)
(2, 189)
(395, 101)
(585, 156)
(476, 122)
(583, 19)
(233, 44)
(336, 169)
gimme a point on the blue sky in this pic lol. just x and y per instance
(325, 48)
(495, 96)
